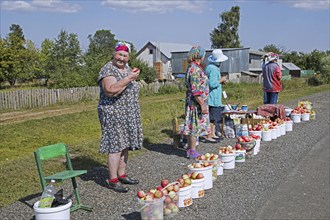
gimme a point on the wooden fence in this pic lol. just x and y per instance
(26, 99)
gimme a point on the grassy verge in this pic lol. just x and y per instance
(81, 131)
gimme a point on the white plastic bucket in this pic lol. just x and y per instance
(283, 129)
(256, 148)
(305, 117)
(256, 133)
(228, 160)
(207, 173)
(60, 212)
(288, 112)
(288, 125)
(296, 118)
(240, 156)
(197, 188)
(274, 133)
(266, 135)
(220, 167)
(266, 125)
(278, 130)
(214, 169)
(153, 209)
(185, 196)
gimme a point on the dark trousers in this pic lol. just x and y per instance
(270, 97)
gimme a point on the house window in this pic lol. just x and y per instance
(151, 51)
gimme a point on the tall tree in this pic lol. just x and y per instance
(100, 50)
(226, 34)
(47, 61)
(14, 55)
(68, 60)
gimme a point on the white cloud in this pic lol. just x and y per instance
(304, 4)
(311, 4)
(156, 6)
(40, 5)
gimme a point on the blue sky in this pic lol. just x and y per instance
(294, 25)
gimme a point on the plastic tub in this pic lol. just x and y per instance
(185, 197)
(288, 125)
(152, 209)
(60, 212)
(207, 172)
(288, 112)
(228, 160)
(214, 169)
(256, 149)
(220, 167)
(197, 188)
(240, 156)
(296, 118)
(305, 117)
(283, 129)
(266, 135)
(256, 133)
(278, 130)
(274, 133)
(244, 108)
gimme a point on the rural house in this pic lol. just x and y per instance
(158, 56)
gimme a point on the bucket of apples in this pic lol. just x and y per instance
(248, 143)
(185, 190)
(240, 153)
(257, 138)
(151, 204)
(210, 158)
(171, 194)
(206, 170)
(227, 155)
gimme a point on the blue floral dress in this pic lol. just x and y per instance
(119, 116)
(196, 123)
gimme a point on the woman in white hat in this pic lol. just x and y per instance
(215, 83)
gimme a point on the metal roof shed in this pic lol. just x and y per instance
(294, 71)
(238, 60)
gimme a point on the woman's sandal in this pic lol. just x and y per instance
(118, 187)
(192, 153)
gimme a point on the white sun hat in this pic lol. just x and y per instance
(217, 56)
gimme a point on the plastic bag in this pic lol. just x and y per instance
(60, 199)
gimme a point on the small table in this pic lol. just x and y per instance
(235, 112)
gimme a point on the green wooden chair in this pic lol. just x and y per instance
(58, 150)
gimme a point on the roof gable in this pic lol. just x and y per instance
(167, 48)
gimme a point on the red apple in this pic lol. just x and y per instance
(164, 182)
(200, 176)
(135, 69)
(141, 194)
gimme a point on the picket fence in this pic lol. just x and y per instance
(26, 99)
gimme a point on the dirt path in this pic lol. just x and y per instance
(25, 115)
(21, 116)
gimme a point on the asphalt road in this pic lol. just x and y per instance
(304, 194)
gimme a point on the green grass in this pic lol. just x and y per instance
(81, 132)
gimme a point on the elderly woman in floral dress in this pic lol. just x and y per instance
(197, 121)
(119, 115)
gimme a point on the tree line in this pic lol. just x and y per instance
(60, 62)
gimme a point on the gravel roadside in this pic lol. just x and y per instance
(237, 194)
